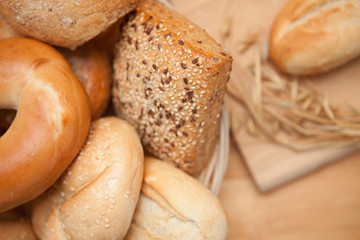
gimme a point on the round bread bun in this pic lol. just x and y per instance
(14, 225)
(93, 69)
(63, 23)
(51, 124)
(174, 205)
(170, 78)
(92, 64)
(97, 195)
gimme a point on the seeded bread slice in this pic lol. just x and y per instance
(170, 78)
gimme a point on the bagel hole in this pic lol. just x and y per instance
(6, 118)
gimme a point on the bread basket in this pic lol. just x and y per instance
(213, 175)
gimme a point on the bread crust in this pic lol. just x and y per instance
(14, 225)
(96, 197)
(315, 36)
(49, 129)
(174, 205)
(63, 23)
(92, 64)
(170, 78)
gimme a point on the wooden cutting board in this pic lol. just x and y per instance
(270, 164)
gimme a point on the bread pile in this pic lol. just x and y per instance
(87, 90)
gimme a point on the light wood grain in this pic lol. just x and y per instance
(324, 205)
(321, 205)
(272, 165)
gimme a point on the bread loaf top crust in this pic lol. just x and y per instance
(169, 82)
(315, 36)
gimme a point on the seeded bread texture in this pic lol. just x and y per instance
(170, 78)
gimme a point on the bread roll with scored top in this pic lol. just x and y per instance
(315, 36)
(170, 78)
(174, 205)
(96, 197)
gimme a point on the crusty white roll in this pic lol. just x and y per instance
(14, 225)
(96, 197)
(51, 124)
(64, 23)
(174, 205)
(315, 36)
(170, 78)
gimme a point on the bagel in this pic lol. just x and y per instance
(97, 195)
(51, 124)
(6, 118)
(66, 23)
(91, 63)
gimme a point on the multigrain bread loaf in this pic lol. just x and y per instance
(174, 205)
(96, 197)
(63, 23)
(14, 225)
(170, 78)
(314, 36)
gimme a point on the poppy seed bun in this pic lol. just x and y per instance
(170, 78)
(63, 23)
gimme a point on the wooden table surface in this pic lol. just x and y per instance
(324, 205)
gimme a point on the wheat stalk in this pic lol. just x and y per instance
(289, 112)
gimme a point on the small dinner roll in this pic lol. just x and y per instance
(63, 23)
(96, 197)
(174, 205)
(315, 36)
(14, 225)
